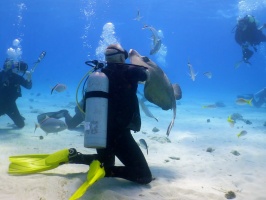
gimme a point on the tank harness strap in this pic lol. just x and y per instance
(96, 94)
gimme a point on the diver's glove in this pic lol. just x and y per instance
(148, 75)
(28, 75)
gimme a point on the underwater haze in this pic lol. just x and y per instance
(74, 31)
(199, 32)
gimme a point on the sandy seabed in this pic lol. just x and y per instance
(181, 165)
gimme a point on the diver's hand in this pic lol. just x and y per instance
(28, 75)
(148, 75)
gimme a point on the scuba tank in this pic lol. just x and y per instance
(96, 110)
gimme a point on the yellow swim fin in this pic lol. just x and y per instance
(96, 172)
(29, 164)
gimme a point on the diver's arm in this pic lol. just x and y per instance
(138, 73)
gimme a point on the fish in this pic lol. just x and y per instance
(237, 116)
(237, 64)
(217, 104)
(143, 144)
(242, 133)
(210, 106)
(51, 125)
(191, 72)
(138, 18)
(231, 121)
(242, 101)
(158, 89)
(220, 104)
(208, 74)
(157, 42)
(59, 88)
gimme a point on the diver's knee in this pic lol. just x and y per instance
(19, 121)
(145, 176)
(20, 124)
(145, 180)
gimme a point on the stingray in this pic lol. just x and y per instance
(158, 89)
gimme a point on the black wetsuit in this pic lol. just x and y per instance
(247, 31)
(78, 118)
(10, 90)
(123, 116)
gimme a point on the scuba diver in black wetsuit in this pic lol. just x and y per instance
(248, 34)
(10, 90)
(123, 116)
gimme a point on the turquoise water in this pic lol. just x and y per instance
(74, 31)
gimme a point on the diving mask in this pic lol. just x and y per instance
(15, 66)
(118, 52)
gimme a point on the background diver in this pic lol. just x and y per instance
(248, 34)
(10, 89)
(71, 121)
